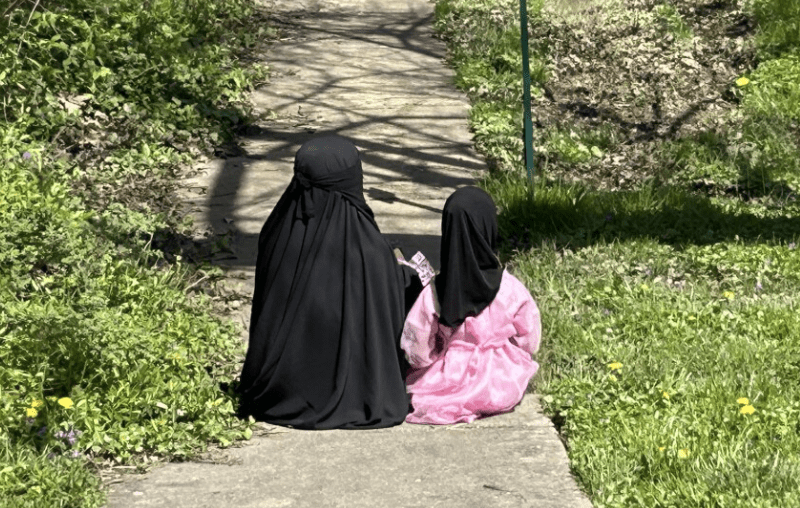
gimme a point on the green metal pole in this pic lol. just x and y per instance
(526, 92)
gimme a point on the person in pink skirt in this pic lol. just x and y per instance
(470, 334)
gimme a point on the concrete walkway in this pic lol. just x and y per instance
(372, 71)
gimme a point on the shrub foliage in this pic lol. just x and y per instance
(109, 351)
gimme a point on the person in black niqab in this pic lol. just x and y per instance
(328, 306)
(471, 272)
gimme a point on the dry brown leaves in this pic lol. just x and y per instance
(649, 73)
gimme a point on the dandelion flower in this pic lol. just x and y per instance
(665, 395)
(747, 410)
(644, 287)
(36, 403)
(31, 412)
(743, 81)
(65, 402)
(615, 366)
(612, 377)
(743, 400)
(683, 453)
(661, 448)
(728, 294)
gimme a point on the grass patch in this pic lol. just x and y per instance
(660, 244)
(109, 349)
(487, 35)
(671, 21)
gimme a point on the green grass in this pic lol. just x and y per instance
(666, 265)
(779, 22)
(109, 349)
(489, 69)
(671, 21)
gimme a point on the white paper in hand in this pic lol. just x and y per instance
(423, 268)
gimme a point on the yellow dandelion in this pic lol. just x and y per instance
(743, 81)
(683, 453)
(692, 318)
(65, 402)
(644, 287)
(662, 448)
(615, 366)
(612, 377)
(31, 412)
(747, 410)
(37, 403)
(728, 294)
(665, 395)
(743, 400)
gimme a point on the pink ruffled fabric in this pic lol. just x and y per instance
(478, 369)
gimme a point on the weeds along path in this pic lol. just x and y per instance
(370, 70)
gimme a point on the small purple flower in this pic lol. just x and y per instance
(72, 436)
(26, 155)
(759, 287)
(648, 272)
(606, 312)
(75, 454)
(42, 431)
(609, 217)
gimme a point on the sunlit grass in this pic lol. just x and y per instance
(670, 310)
(691, 305)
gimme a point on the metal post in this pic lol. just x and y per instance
(526, 93)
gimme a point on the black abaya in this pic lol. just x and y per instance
(328, 306)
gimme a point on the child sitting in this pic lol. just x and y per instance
(470, 335)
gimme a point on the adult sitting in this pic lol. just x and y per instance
(328, 306)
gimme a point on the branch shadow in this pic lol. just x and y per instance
(431, 161)
(667, 215)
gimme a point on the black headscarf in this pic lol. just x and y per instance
(470, 270)
(328, 306)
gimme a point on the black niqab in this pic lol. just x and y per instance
(328, 306)
(470, 270)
